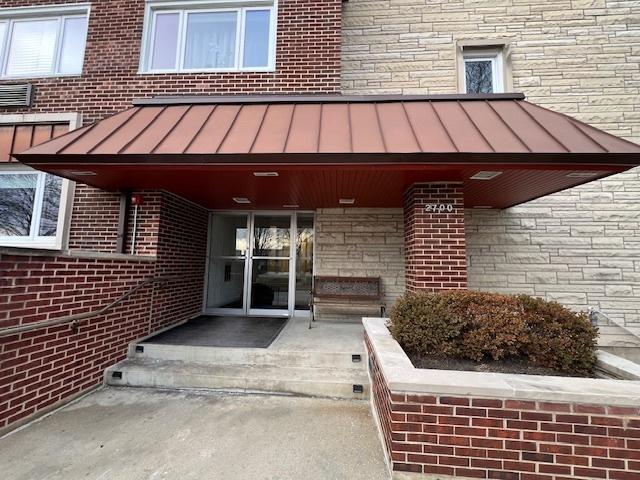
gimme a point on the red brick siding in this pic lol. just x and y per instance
(42, 367)
(149, 216)
(435, 257)
(182, 245)
(94, 220)
(505, 439)
(307, 60)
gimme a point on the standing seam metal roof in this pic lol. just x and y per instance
(341, 125)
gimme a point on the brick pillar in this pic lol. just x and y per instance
(435, 256)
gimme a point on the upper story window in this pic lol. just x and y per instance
(42, 41)
(195, 37)
(483, 71)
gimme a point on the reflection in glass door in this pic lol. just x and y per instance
(270, 263)
(304, 260)
(228, 246)
(260, 263)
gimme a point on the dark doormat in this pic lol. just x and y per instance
(213, 331)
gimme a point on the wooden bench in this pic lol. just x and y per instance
(345, 291)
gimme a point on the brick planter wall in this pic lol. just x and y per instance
(434, 241)
(491, 438)
(45, 366)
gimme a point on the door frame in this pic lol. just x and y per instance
(246, 309)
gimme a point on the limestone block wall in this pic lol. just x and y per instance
(361, 242)
(580, 57)
(580, 247)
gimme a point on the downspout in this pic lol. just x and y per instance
(136, 200)
(123, 221)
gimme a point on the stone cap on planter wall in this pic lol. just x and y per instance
(402, 377)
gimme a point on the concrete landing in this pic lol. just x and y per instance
(136, 434)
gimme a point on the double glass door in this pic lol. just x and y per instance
(259, 263)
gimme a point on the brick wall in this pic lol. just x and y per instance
(45, 366)
(361, 242)
(434, 241)
(42, 367)
(181, 250)
(307, 60)
(95, 217)
(504, 439)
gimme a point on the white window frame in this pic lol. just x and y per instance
(11, 16)
(35, 241)
(185, 7)
(487, 55)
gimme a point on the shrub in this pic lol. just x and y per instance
(479, 326)
(560, 339)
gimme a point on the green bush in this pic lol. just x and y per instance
(480, 326)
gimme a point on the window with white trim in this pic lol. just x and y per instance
(197, 37)
(42, 41)
(32, 207)
(483, 71)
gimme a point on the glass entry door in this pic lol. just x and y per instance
(227, 263)
(259, 263)
(270, 264)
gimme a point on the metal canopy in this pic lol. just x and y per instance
(431, 125)
(325, 146)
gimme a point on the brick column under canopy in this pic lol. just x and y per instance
(435, 255)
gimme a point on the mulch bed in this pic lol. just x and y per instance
(507, 365)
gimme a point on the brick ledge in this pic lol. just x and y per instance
(40, 252)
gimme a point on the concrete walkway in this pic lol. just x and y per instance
(130, 434)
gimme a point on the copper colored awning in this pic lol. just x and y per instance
(167, 128)
(399, 133)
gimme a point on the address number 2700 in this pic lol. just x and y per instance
(438, 207)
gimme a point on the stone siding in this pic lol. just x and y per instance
(580, 247)
(579, 57)
(361, 242)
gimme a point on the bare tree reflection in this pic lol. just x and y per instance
(17, 196)
(50, 206)
(17, 193)
(271, 241)
(479, 76)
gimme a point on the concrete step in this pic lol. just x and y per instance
(318, 382)
(250, 356)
